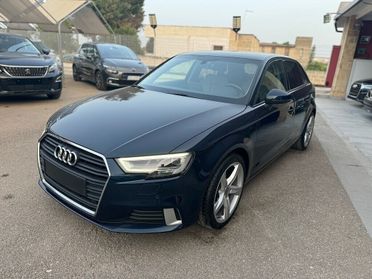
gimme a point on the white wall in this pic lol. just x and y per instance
(362, 69)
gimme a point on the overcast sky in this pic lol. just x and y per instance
(270, 20)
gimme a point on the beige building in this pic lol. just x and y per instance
(354, 20)
(171, 40)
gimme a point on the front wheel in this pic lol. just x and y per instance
(306, 135)
(100, 81)
(224, 193)
(75, 73)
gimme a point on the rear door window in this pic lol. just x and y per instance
(294, 74)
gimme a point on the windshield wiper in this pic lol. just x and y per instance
(183, 95)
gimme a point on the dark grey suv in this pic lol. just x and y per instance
(107, 65)
(27, 70)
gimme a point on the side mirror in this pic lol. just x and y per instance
(277, 96)
(46, 51)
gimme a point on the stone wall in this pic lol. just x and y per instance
(318, 78)
(171, 40)
(349, 41)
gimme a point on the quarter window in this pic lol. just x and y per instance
(273, 79)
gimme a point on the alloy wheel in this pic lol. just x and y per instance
(309, 130)
(228, 192)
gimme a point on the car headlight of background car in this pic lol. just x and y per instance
(110, 69)
(156, 166)
(53, 67)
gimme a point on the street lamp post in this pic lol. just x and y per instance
(237, 24)
(153, 22)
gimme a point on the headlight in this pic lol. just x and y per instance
(110, 69)
(156, 166)
(53, 67)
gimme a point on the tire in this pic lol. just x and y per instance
(54, 95)
(214, 213)
(100, 81)
(303, 142)
(75, 74)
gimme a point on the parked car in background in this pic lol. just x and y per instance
(368, 101)
(24, 69)
(107, 65)
(359, 90)
(179, 145)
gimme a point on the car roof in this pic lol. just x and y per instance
(237, 54)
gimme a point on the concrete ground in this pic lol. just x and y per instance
(295, 220)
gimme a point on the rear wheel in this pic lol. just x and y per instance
(224, 193)
(75, 74)
(305, 138)
(100, 81)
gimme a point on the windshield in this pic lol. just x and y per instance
(116, 52)
(17, 44)
(205, 76)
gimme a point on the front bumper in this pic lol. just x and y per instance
(30, 86)
(137, 205)
(122, 79)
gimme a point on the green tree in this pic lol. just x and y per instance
(124, 16)
(317, 66)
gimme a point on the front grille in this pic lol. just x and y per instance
(354, 90)
(24, 71)
(89, 168)
(26, 84)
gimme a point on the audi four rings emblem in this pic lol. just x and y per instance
(65, 155)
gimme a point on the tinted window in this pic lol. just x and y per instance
(273, 78)
(294, 73)
(116, 52)
(17, 44)
(204, 76)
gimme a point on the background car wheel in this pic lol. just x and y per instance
(224, 193)
(54, 95)
(304, 141)
(75, 74)
(100, 81)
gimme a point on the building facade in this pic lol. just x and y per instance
(168, 40)
(354, 20)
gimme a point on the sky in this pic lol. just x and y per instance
(270, 20)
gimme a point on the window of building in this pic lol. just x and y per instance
(217, 47)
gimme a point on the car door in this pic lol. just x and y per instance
(79, 60)
(92, 61)
(301, 90)
(273, 122)
(86, 62)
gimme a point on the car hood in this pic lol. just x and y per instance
(135, 66)
(23, 59)
(134, 122)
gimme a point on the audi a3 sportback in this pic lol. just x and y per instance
(179, 145)
(107, 65)
(26, 70)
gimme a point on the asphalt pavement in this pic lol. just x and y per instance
(295, 220)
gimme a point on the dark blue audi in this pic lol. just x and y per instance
(178, 146)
